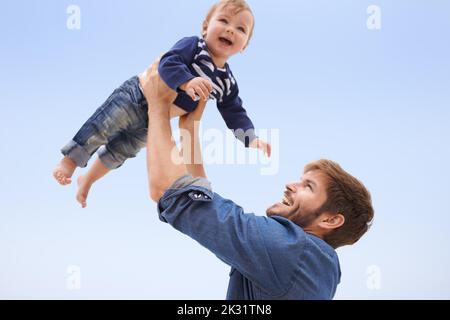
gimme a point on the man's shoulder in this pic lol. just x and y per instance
(282, 231)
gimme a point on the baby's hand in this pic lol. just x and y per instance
(197, 88)
(261, 145)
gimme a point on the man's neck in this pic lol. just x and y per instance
(314, 232)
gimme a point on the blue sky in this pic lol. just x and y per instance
(376, 101)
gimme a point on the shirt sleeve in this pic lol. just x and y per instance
(258, 247)
(173, 66)
(236, 118)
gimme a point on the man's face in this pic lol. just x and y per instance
(302, 199)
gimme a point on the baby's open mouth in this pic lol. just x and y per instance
(225, 41)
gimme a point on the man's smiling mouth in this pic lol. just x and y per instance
(286, 200)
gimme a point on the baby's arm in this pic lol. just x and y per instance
(173, 67)
(197, 88)
(174, 70)
(236, 119)
(261, 145)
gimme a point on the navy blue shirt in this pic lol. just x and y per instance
(270, 257)
(189, 58)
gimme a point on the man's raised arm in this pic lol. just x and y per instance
(190, 141)
(164, 164)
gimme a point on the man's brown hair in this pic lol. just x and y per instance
(346, 195)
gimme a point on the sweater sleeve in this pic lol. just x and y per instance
(236, 118)
(173, 66)
(264, 250)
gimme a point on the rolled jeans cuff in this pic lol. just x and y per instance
(77, 153)
(108, 159)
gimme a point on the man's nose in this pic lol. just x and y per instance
(291, 187)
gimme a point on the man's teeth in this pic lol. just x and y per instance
(285, 201)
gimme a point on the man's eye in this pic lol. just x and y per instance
(309, 186)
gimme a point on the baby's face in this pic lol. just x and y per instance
(227, 32)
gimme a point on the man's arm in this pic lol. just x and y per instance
(164, 164)
(190, 142)
(265, 250)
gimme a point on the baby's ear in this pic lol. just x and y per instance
(204, 28)
(245, 47)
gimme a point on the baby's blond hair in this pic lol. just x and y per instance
(240, 5)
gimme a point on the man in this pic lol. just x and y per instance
(287, 255)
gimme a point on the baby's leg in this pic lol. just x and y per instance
(110, 118)
(123, 146)
(97, 171)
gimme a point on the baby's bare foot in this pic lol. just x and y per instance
(83, 189)
(64, 170)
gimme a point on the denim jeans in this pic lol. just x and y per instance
(118, 126)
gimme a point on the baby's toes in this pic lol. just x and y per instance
(58, 178)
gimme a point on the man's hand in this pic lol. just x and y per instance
(197, 88)
(261, 145)
(188, 120)
(159, 96)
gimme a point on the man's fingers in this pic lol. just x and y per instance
(153, 69)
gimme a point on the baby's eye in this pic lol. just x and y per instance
(223, 20)
(241, 29)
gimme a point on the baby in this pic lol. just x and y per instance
(197, 69)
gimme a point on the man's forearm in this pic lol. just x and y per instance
(192, 149)
(164, 165)
(189, 130)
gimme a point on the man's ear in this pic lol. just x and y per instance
(331, 221)
(204, 28)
